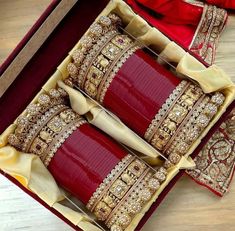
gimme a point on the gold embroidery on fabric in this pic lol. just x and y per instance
(208, 31)
(215, 163)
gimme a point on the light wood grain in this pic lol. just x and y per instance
(16, 18)
(187, 207)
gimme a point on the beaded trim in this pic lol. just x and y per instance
(175, 116)
(124, 192)
(104, 87)
(174, 96)
(193, 126)
(45, 125)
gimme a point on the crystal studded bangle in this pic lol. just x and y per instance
(177, 107)
(45, 125)
(125, 191)
(164, 110)
(193, 126)
(98, 34)
(94, 66)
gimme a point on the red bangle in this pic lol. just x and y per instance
(143, 94)
(86, 162)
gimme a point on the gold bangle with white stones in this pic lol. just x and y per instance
(94, 68)
(165, 108)
(171, 120)
(125, 191)
(45, 125)
(98, 34)
(194, 126)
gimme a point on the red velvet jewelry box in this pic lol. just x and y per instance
(35, 59)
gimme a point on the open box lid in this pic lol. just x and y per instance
(37, 57)
(41, 51)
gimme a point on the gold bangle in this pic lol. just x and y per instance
(103, 188)
(125, 191)
(94, 68)
(96, 74)
(166, 107)
(45, 126)
(103, 28)
(196, 107)
(178, 110)
(94, 57)
(114, 67)
(194, 126)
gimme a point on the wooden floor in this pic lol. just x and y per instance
(187, 207)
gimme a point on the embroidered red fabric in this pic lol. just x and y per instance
(195, 27)
(215, 163)
(84, 160)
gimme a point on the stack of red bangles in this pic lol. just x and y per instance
(113, 69)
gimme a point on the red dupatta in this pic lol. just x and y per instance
(194, 26)
(227, 4)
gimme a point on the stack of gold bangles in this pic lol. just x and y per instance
(101, 54)
(181, 120)
(45, 125)
(124, 192)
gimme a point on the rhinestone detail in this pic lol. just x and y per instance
(164, 109)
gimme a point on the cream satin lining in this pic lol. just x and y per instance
(29, 170)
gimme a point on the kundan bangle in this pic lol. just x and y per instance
(174, 116)
(166, 107)
(125, 191)
(193, 126)
(158, 106)
(94, 64)
(115, 190)
(45, 126)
